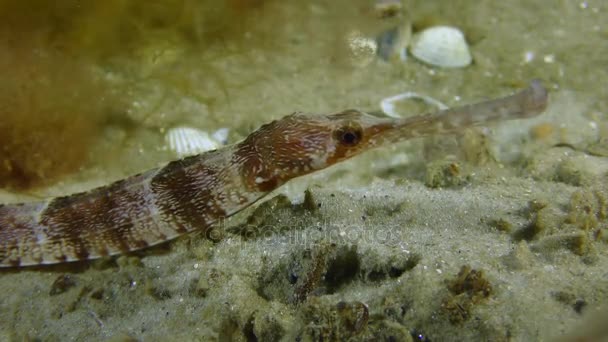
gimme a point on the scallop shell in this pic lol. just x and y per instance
(187, 141)
(442, 46)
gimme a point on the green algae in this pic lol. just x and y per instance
(467, 289)
(445, 174)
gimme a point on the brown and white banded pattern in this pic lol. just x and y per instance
(197, 192)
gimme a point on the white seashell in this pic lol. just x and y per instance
(388, 104)
(221, 135)
(441, 46)
(187, 141)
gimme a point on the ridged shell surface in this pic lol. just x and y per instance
(187, 141)
(441, 46)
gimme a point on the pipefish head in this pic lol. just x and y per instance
(299, 144)
(303, 143)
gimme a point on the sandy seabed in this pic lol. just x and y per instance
(495, 234)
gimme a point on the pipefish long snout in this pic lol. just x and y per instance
(197, 192)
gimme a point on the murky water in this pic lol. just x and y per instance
(90, 90)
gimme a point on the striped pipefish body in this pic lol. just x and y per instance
(196, 193)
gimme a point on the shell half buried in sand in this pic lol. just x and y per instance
(188, 141)
(441, 46)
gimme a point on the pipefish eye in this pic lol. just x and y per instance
(349, 134)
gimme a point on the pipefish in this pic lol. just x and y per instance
(196, 193)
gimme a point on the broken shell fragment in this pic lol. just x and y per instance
(187, 141)
(389, 104)
(441, 46)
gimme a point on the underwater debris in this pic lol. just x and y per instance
(598, 148)
(156, 290)
(354, 316)
(392, 43)
(553, 230)
(311, 272)
(501, 224)
(330, 268)
(542, 131)
(587, 208)
(324, 321)
(362, 48)
(311, 284)
(570, 173)
(265, 216)
(601, 235)
(310, 204)
(469, 288)
(388, 8)
(521, 257)
(472, 282)
(267, 210)
(209, 279)
(476, 146)
(536, 205)
(566, 165)
(63, 283)
(570, 299)
(542, 217)
(375, 269)
(577, 243)
(445, 174)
